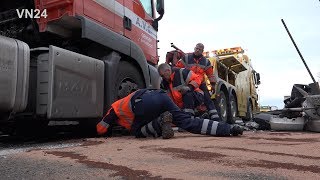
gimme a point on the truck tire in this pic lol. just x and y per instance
(249, 114)
(128, 79)
(222, 105)
(28, 126)
(232, 110)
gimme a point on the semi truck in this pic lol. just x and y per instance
(68, 60)
(236, 84)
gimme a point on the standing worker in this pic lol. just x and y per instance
(200, 65)
(139, 112)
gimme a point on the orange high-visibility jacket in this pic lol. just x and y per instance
(179, 78)
(123, 109)
(199, 66)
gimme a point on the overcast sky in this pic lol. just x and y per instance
(256, 26)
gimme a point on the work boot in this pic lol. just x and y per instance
(165, 122)
(236, 130)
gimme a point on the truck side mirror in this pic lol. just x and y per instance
(160, 10)
(160, 7)
(258, 78)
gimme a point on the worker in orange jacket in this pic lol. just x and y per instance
(200, 65)
(182, 86)
(150, 113)
(186, 87)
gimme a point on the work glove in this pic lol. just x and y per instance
(184, 89)
(102, 127)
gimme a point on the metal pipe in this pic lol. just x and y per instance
(175, 47)
(305, 64)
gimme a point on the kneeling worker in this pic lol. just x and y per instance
(144, 113)
(183, 87)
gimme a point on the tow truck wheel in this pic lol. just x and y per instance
(129, 79)
(232, 110)
(249, 114)
(222, 104)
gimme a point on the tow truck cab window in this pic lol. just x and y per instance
(147, 5)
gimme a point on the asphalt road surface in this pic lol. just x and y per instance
(255, 155)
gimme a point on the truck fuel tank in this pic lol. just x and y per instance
(14, 74)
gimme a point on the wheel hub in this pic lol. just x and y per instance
(126, 87)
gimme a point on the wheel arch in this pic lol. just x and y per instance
(128, 49)
(221, 87)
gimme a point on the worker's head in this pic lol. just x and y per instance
(198, 50)
(164, 71)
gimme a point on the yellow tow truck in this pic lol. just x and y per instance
(236, 84)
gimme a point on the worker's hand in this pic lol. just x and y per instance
(213, 88)
(184, 89)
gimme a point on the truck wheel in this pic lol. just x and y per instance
(249, 114)
(128, 80)
(28, 126)
(222, 105)
(233, 108)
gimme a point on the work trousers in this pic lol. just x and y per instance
(154, 103)
(191, 100)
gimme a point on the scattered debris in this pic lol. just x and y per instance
(287, 124)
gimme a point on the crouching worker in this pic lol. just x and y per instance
(183, 88)
(149, 113)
